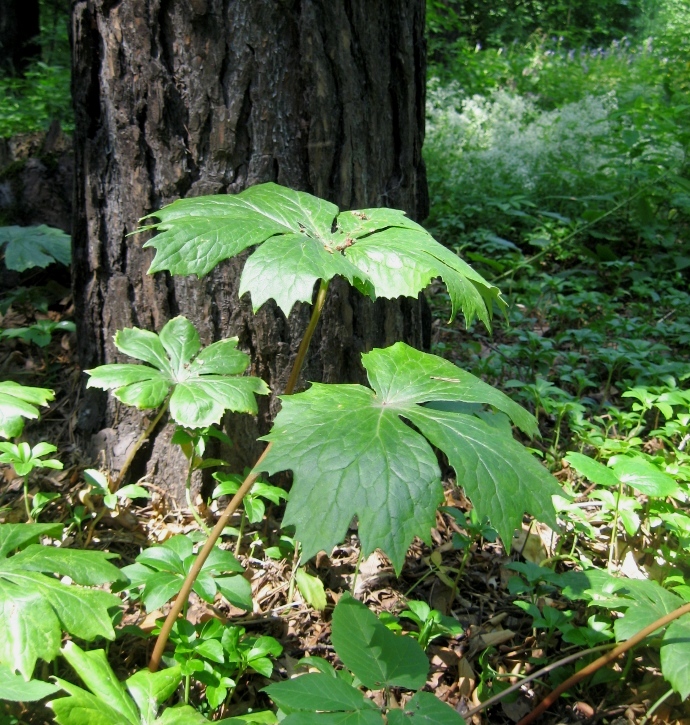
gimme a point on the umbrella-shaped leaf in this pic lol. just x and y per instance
(303, 239)
(204, 384)
(352, 454)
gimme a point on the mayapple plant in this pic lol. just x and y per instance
(353, 450)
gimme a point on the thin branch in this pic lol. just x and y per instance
(140, 442)
(181, 599)
(546, 703)
(535, 676)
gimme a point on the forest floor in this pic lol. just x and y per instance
(466, 574)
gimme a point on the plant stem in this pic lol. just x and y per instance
(304, 345)
(622, 648)
(140, 442)
(240, 534)
(296, 559)
(532, 677)
(181, 599)
(463, 564)
(656, 706)
(614, 529)
(25, 483)
(356, 574)
(188, 496)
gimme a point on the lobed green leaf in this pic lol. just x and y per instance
(301, 239)
(352, 454)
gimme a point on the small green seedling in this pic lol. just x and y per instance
(40, 333)
(432, 624)
(99, 486)
(254, 508)
(218, 656)
(159, 572)
(40, 502)
(376, 659)
(23, 458)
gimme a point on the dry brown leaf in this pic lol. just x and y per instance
(466, 678)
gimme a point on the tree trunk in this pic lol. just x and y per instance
(188, 97)
(19, 26)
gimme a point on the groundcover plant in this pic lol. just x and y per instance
(350, 448)
(353, 450)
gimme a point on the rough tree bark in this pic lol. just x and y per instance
(190, 97)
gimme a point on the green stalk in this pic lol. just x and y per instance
(188, 496)
(656, 706)
(614, 530)
(182, 597)
(240, 533)
(140, 442)
(356, 574)
(296, 559)
(25, 483)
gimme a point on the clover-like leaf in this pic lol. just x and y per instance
(36, 246)
(17, 402)
(36, 607)
(204, 384)
(23, 458)
(304, 239)
(351, 454)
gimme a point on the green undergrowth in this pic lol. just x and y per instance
(562, 173)
(41, 95)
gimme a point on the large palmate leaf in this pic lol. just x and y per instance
(204, 384)
(36, 246)
(303, 239)
(36, 606)
(352, 454)
(18, 402)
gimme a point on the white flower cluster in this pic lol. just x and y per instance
(504, 144)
